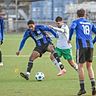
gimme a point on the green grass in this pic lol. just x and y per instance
(11, 84)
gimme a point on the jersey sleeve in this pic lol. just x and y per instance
(2, 29)
(94, 40)
(66, 29)
(22, 43)
(93, 28)
(72, 28)
(59, 29)
(45, 28)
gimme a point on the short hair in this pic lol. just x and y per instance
(58, 19)
(30, 22)
(80, 13)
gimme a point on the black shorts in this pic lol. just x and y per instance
(84, 54)
(43, 48)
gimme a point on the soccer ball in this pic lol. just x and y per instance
(39, 76)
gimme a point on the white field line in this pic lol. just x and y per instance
(27, 56)
(16, 56)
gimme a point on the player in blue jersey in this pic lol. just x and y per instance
(43, 44)
(84, 46)
(1, 38)
(94, 40)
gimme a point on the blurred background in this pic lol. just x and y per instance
(17, 12)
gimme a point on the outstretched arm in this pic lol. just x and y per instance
(26, 35)
(57, 29)
(46, 28)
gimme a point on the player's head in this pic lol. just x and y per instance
(31, 25)
(81, 13)
(59, 21)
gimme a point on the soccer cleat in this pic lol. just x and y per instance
(93, 92)
(1, 63)
(62, 72)
(81, 92)
(24, 75)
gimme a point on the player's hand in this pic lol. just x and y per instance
(17, 53)
(50, 26)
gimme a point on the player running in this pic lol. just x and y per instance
(63, 48)
(43, 44)
(84, 48)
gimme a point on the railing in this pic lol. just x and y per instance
(20, 26)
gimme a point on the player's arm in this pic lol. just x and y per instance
(46, 28)
(94, 31)
(71, 30)
(26, 35)
(2, 30)
(57, 29)
(94, 40)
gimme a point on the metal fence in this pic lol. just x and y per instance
(12, 25)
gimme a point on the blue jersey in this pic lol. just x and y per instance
(1, 28)
(94, 40)
(38, 35)
(83, 29)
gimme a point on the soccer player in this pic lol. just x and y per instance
(43, 44)
(1, 37)
(84, 48)
(94, 40)
(63, 48)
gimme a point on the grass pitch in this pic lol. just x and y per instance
(11, 84)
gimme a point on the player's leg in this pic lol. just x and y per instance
(58, 63)
(80, 57)
(35, 54)
(73, 64)
(1, 63)
(81, 79)
(89, 58)
(91, 76)
(54, 60)
(67, 54)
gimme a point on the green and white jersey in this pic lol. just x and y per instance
(62, 41)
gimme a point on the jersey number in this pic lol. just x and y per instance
(86, 29)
